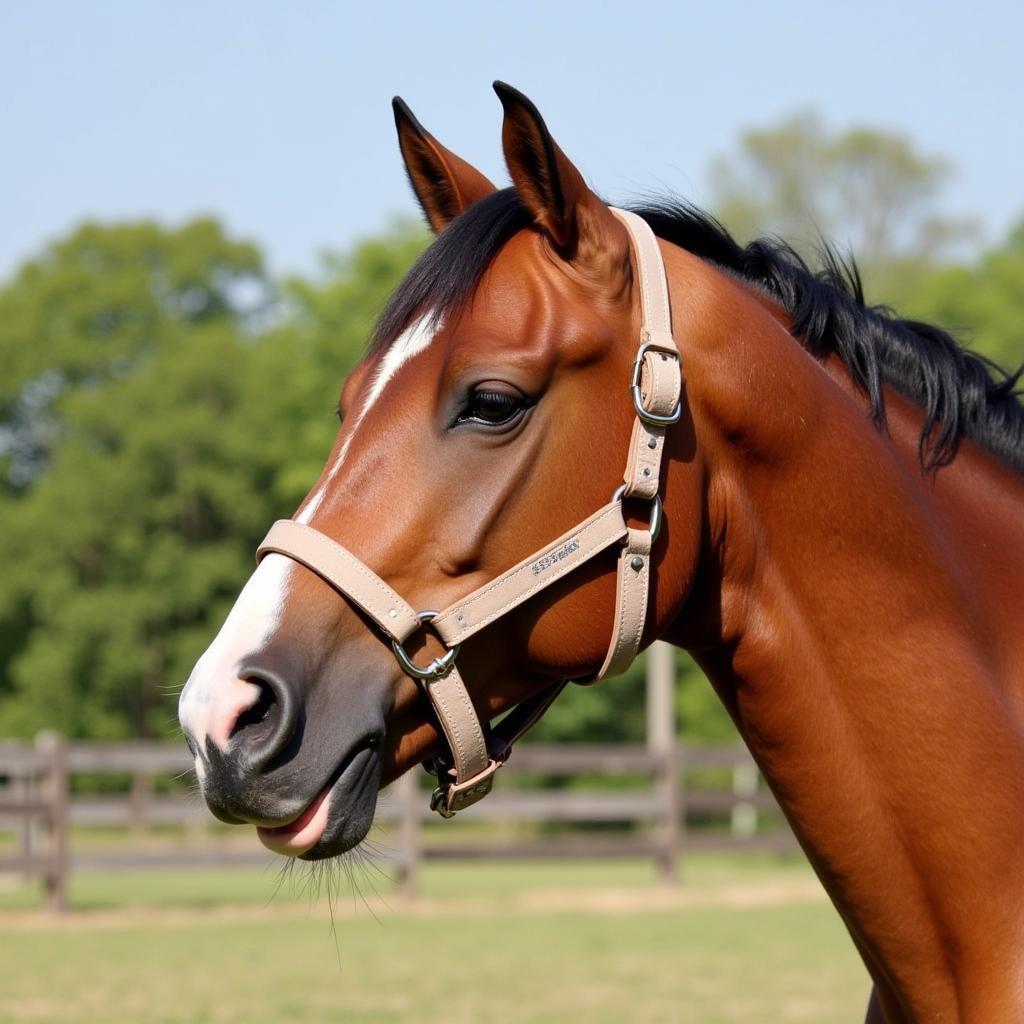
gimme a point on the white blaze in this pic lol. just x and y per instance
(214, 696)
(413, 340)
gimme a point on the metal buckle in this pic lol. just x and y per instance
(438, 668)
(439, 803)
(450, 797)
(651, 418)
(654, 524)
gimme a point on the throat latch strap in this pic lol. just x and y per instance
(475, 751)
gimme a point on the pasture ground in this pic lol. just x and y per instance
(743, 939)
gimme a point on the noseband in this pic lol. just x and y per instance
(476, 750)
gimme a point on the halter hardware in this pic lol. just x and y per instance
(449, 798)
(639, 408)
(438, 805)
(438, 668)
(474, 750)
(654, 522)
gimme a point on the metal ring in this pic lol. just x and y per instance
(654, 524)
(438, 668)
(645, 414)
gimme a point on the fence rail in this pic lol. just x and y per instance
(655, 798)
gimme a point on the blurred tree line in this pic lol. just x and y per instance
(164, 398)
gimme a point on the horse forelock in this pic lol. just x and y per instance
(445, 277)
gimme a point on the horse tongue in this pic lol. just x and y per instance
(295, 838)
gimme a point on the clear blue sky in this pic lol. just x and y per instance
(276, 117)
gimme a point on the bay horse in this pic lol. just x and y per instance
(841, 549)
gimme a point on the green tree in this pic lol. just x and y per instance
(865, 189)
(93, 305)
(188, 404)
(981, 302)
(335, 316)
(614, 710)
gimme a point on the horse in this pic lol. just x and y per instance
(839, 544)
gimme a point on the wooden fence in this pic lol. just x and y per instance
(565, 801)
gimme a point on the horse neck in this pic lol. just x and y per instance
(852, 616)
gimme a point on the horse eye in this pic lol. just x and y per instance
(494, 408)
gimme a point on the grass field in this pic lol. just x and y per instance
(743, 939)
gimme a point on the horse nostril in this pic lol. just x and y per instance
(263, 729)
(259, 713)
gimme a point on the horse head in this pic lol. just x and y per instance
(490, 414)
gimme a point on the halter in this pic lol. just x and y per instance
(476, 750)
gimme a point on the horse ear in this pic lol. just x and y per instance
(563, 206)
(444, 183)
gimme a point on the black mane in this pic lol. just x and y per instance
(961, 393)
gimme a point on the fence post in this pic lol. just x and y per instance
(743, 819)
(139, 801)
(409, 828)
(54, 748)
(662, 740)
(23, 788)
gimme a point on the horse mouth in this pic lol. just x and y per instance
(337, 818)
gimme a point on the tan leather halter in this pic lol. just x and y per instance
(477, 750)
